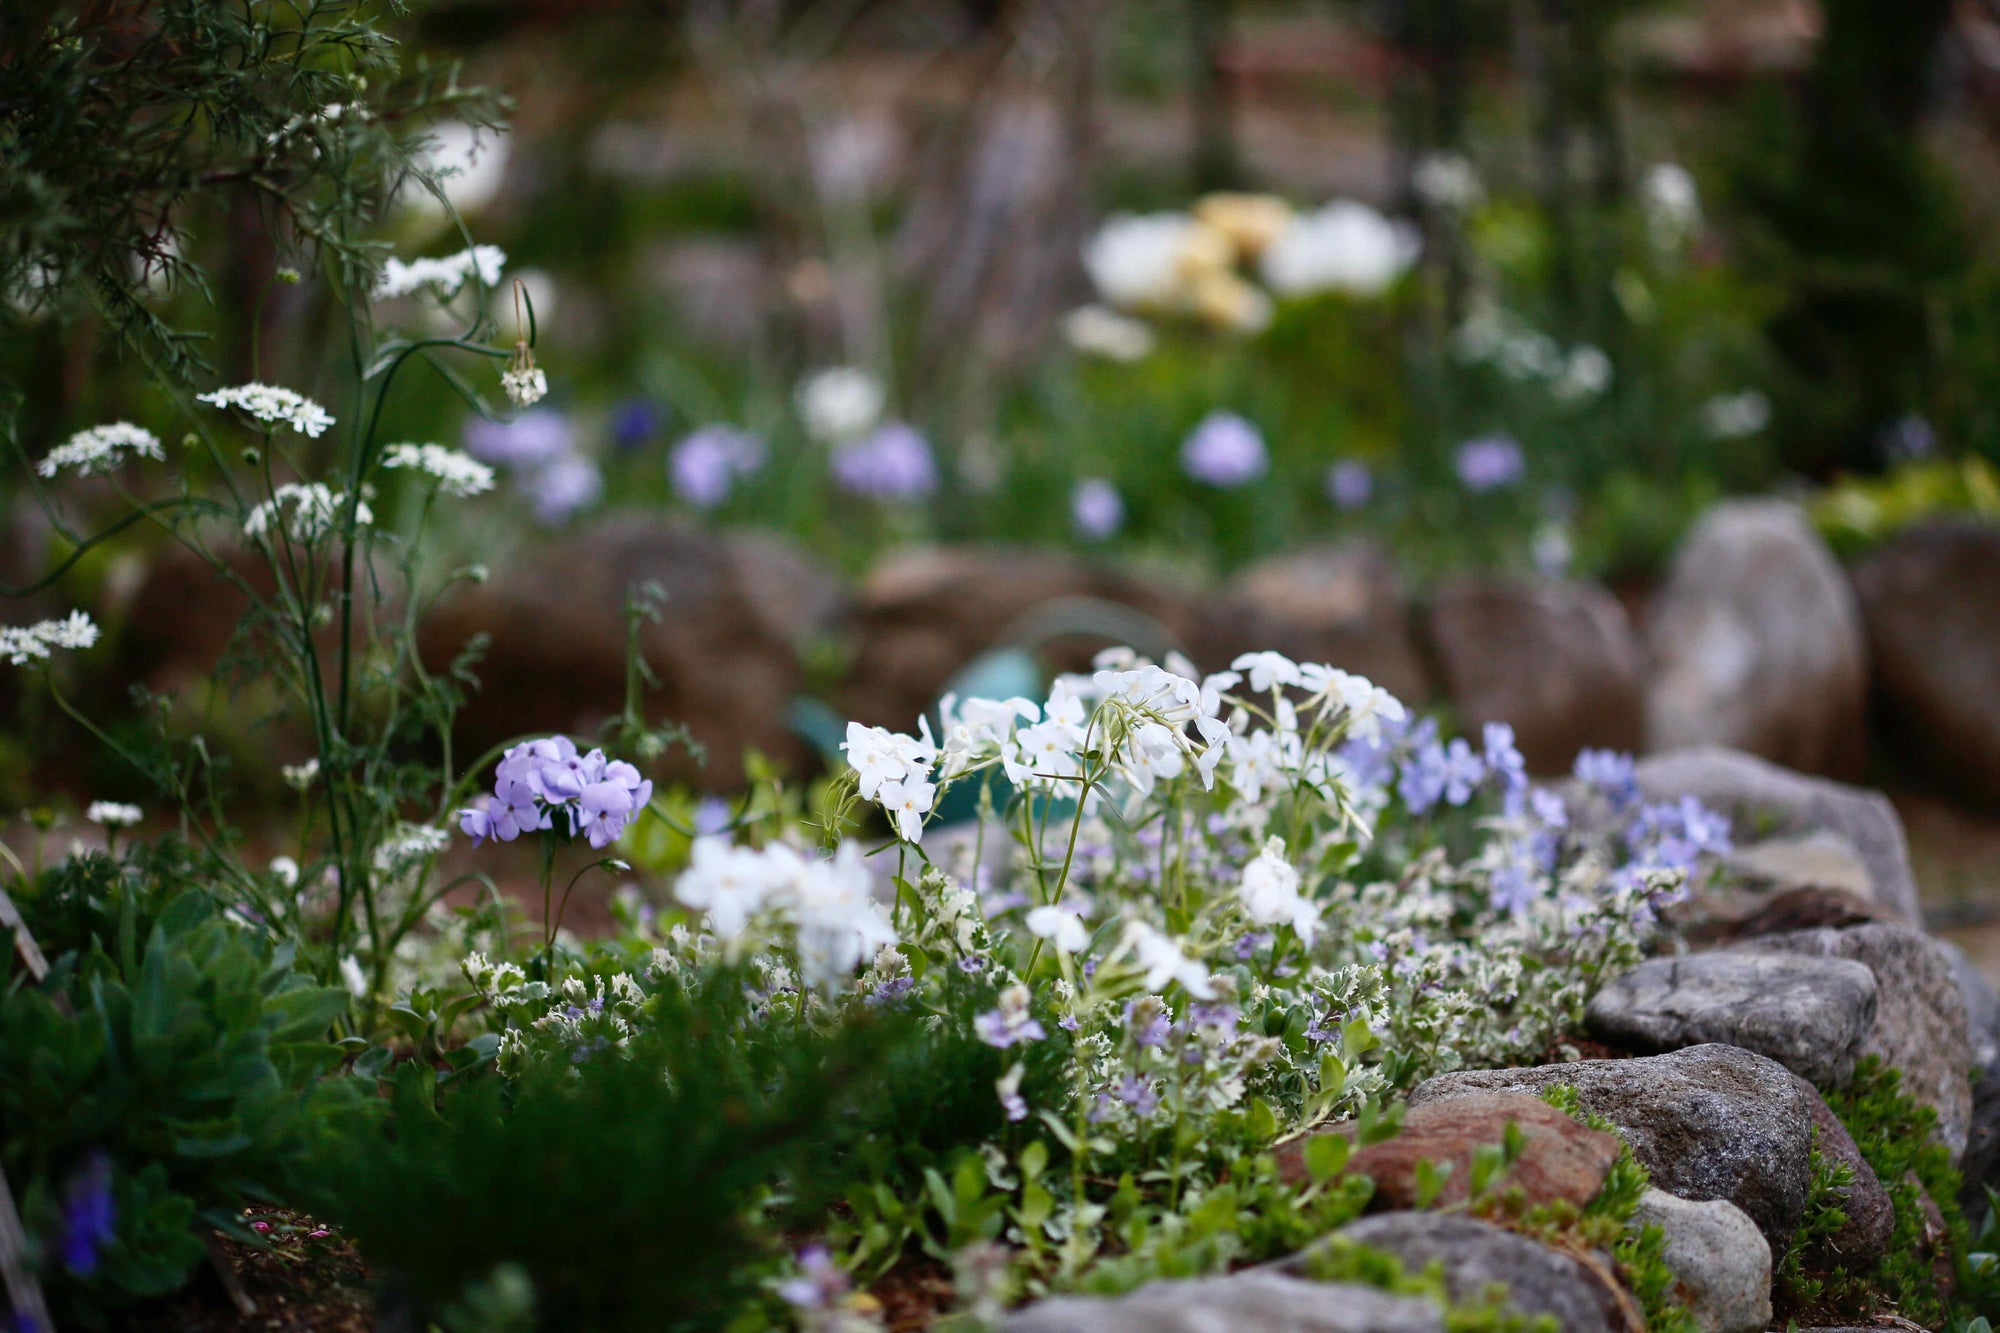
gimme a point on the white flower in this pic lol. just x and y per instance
(100, 449)
(458, 474)
(1267, 670)
(525, 385)
(286, 871)
(1043, 757)
(1060, 925)
(1731, 416)
(22, 644)
(355, 979)
(408, 844)
(470, 166)
(274, 407)
(1448, 181)
(300, 776)
(1099, 331)
(907, 801)
(1586, 374)
(1672, 204)
(446, 275)
(732, 884)
(1163, 961)
(840, 403)
(1345, 247)
(112, 814)
(1368, 705)
(315, 510)
(1140, 261)
(880, 756)
(1270, 893)
(840, 925)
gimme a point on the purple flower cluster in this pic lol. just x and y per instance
(893, 463)
(1609, 773)
(1225, 451)
(1432, 772)
(1096, 509)
(540, 447)
(1350, 484)
(1490, 463)
(705, 465)
(535, 779)
(88, 1216)
(560, 487)
(1001, 1029)
(1675, 834)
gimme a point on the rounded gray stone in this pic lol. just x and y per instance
(1709, 1122)
(1257, 1301)
(1474, 1256)
(1808, 1015)
(1720, 1261)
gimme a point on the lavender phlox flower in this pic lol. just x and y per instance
(1489, 463)
(1421, 779)
(711, 816)
(1512, 889)
(1350, 484)
(890, 991)
(1610, 773)
(1096, 509)
(1138, 1096)
(530, 439)
(704, 466)
(1675, 834)
(535, 778)
(1503, 758)
(1011, 1024)
(560, 487)
(1008, 1088)
(1224, 451)
(1146, 1021)
(1249, 942)
(894, 462)
(89, 1215)
(1464, 770)
(820, 1283)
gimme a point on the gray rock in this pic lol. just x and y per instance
(1709, 1122)
(1982, 1139)
(1763, 799)
(1982, 1006)
(1756, 643)
(1871, 1216)
(1920, 1024)
(1344, 605)
(1721, 1262)
(1930, 599)
(1477, 1255)
(1258, 1301)
(1558, 661)
(1807, 1015)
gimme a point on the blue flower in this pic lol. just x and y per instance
(88, 1217)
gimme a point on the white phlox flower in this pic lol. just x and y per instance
(1270, 893)
(732, 884)
(457, 473)
(101, 449)
(1164, 962)
(273, 406)
(1059, 924)
(840, 403)
(894, 770)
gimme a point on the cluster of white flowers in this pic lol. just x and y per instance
(1672, 203)
(23, 644)
(408, 845)
(315, 511)
(1447, 181)
(444, 275)
(114, 814)
(101, 449)
(840, 403)
(1344, 247)
(274, 407)
(524, 384)
(1733, 416)
(458, 473)
(827, 903)
(1491, 336)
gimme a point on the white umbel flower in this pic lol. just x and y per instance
(114, 814)
(274, 407)
(100, 449)
(23, 644)
(409, 844)
(445, 276)
(315, 509)
(525, 384)
(458, 474)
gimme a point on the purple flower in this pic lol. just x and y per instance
(1000, 1029)
(894, 463)
(1224, 451)
(1610, 773)
(560, 487)
(1015, 1105)
(1463, 771)
(711, 816)
(705, 465)
(820, 1282)
(1675, 834)
(1349, 484)
(1908, 439)
(1513, 892)
(88, 1216)
(533, 438)
(1489, 463)
(1503, 757)
(1138, 1094)
(1152, 1031)
(635, 421)
(890, 991)
(1096, 509)
(1250, 942)
(535, 778)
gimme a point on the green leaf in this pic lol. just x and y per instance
(1325, 1156)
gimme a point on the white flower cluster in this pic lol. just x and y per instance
(315, 511)
(1490, 336)
(274, 407)
(580, 1015)
(101, 449)
(113, 814)
(22, 644)
(525, 384)
(827, 903)
(458, 473)
(840, 403)
(445, 275)
(409, 844)
(1733, 416)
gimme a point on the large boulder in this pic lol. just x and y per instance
(1258, 1301)
(1809, 1015)
(1342, 605)
(1709, 1122)
(1756, 643)
(1930, 599)
(1871, 1216)
(740, 610)
(1761, 798)
(1476, 1256)
(1557, 660)
(1560, 1159)
(1720, 1261)
(923, 615)
(1920, 1020)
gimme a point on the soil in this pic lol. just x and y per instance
(915, 1294)
(309, 1280)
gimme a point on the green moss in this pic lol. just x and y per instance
(1340, 1259)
